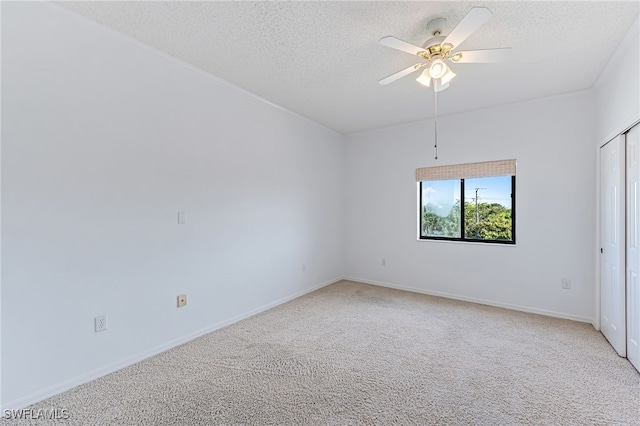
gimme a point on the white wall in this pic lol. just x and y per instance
(551, 139)
(618, 88)
(103, 142)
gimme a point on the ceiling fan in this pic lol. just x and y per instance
(437, 51)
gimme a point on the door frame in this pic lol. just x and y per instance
(615, 249)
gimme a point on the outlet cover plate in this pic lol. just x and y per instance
(100, 323)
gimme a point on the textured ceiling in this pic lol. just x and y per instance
(322, 59)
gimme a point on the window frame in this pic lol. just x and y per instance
(462, 237)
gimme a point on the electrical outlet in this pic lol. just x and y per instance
(566, 283)
(100, 323)
(182, 300)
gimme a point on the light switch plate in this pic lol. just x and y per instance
(182, 218)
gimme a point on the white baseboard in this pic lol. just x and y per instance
(111, 368)
(477, 300)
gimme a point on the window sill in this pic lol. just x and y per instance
(468, 242)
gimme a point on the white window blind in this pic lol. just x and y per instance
(467, 171)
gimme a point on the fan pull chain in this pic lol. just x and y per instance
(435, 115)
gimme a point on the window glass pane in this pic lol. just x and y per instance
(441, 208)
(487, 208)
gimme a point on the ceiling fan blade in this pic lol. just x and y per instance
(483, 56)
(400, 74)
(396, 43)
(476, 17)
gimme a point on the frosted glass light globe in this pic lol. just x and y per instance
(437, 69)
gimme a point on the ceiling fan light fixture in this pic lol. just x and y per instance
(437, 69)
(447, 77)
(424, 78)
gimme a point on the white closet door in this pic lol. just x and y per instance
(612, 240)
(633, 246)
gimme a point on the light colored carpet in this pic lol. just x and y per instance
(354, 354)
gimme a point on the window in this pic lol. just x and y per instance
(478, 206)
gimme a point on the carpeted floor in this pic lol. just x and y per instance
(354, 354)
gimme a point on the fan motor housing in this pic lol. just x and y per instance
(434, 48)
(433, 41)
